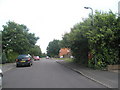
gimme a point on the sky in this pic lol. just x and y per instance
(50, 19)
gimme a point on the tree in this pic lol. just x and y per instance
(17, 39)
(43, 54)
(15, 35)
(35, 51)
(53, 48)
(102, 40)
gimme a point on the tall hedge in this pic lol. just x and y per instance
(101, 40)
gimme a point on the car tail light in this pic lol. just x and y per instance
(29, 59)
(16, 60)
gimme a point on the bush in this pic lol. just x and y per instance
(11, 57)
(97, 62)
(4, 58)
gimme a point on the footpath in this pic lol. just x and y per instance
(8, 66)
(106, 78)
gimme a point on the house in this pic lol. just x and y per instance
(65, 53)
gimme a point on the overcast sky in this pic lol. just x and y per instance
(50, 19)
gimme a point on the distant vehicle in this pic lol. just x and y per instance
(71, 57)
(47, 57)
(24, 60)
(36, 58)
(1, 75)
(61, 56)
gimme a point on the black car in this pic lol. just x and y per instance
(24, 60)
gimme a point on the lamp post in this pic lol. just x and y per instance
(92, 25)
(119, 9)
(92, 14)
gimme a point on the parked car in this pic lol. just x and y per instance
(1, 75)
(36, 58)
(47, 57)
(24, 60)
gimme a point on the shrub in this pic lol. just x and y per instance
(4, 58)
(11, 57)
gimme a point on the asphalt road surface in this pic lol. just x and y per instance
(46, 73)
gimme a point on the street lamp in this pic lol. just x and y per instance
(92, 14)
(119, 9)
(92, 25)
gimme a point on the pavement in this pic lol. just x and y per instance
(107, 78)
(8, 66)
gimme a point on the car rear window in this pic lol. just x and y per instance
(23, 56)
(36, 56)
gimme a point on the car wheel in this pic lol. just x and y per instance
(29, 64)
(17, 65)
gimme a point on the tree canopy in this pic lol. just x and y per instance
(53, 48)
(101, 40)
(16, 39)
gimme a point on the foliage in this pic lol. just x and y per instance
(77, 42)
(11, 56)
(53, 48)
(101, 40)
(15, 35)
(4, 59)
(43, 55)
(35, 51)
(17, 40)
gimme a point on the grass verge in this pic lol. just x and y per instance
(65, 59)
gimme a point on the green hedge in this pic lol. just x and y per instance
(4, 58)
(11, 57)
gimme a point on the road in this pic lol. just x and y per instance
(46, 73)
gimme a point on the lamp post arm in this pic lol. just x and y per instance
(92, 17)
